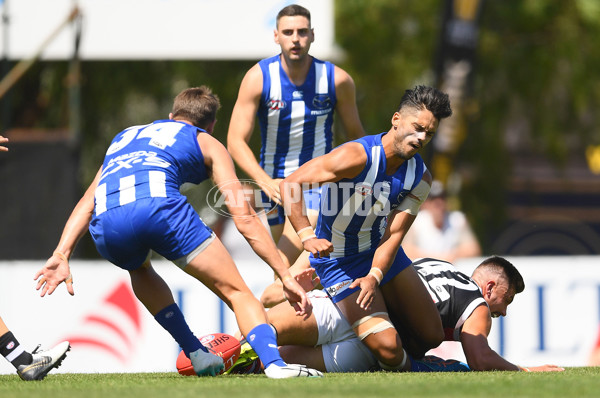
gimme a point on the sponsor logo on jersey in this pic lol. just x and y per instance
(297, 95)
(338, 288)
(364, 189)
(276, 104)
(320, 112)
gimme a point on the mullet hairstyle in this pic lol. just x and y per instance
(501, 265)
(198, 105)
(427, 97)
(293, 10)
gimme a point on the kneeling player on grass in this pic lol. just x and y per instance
(466, 305)
(134, 206)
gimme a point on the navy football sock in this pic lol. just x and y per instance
(171, 318)
(264, 343)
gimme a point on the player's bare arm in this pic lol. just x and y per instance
(240, 131)
(222, 170)
(57, 270)
(474, 339)
(345, 161)
(304, 274)
(346, 104)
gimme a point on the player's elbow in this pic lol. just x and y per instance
(232, 147)
(246, 224)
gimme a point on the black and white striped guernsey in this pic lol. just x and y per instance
(455, 294)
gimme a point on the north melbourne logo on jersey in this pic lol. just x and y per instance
(401, 196)
(322, 101)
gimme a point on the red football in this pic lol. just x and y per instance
(221, 344)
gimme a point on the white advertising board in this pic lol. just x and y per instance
(155, 29)
(555, 320)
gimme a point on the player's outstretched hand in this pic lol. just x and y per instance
(318, 247)
(368, 289)
(3, 140)
(271, 188)
(55, 272)
(306, 280)
(296, 296)
(545, 368)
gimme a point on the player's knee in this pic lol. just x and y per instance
(386, 346)
(238, 299)
(433, 337)
(378, 334)
(389, 352)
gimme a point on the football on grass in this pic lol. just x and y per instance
(221, 344)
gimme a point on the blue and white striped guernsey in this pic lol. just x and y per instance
(353, 214)
(149, 161)
(295, 121)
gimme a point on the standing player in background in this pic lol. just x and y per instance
(293, 95)
(134, 206)
(34, 365)
(373, 188)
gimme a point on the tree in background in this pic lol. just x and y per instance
(536, 88)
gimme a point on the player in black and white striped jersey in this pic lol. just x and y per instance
(466, 306)
(457, 295)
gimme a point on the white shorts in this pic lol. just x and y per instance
(342, 350)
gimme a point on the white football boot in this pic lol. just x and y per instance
(290, 370)
(44, 362)
(205, 363)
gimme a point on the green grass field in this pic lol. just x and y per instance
(574, 382)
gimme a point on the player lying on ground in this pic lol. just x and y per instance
(325, 341)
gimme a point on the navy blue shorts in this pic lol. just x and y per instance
(338, 273)
(170, 226)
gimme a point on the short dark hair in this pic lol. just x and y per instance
(500, 264)
(427, 97)
(197, 105)
(293, 10)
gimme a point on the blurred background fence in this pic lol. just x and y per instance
(520, 157)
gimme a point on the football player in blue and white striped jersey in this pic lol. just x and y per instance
(134, 206)
(294, 96)
(372, 190)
